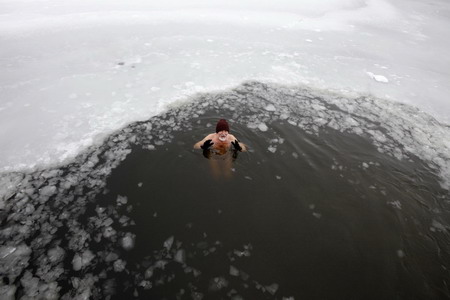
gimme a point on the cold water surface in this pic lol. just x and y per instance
(335, 199)
(326, 216)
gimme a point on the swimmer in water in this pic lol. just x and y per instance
(216, 145)
(221, 141)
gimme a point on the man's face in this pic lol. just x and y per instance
(223, 135)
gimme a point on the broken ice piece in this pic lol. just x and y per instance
(272, 289)
(180, 256)
(262, 127)
(80, 261)
(270, 107)
(168, 243)
(127, 241)
(119, 265)
(234, 271)
(121, 200)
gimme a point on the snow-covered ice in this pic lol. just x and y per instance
(75, 71)
(379, 78)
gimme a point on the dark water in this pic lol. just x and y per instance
(320, 224)
(312, 211)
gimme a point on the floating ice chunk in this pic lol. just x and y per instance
(270, 107)
(241, 253)
(272, 149)
(378, 78)
(107, 222)
(292, 122)
(160, 264)
(109, 232)
(272, 289)
(148, 273)
(127, 241)
(140, 184)
(234, 271)
(180, 256)
(217, 284)
(122, 200)
(119, 265)
(146, 284)
(30, 285)
(168, 243)
(365, 165)
(81, 261)
(7, 292)
(288, 298)
(277, 177)
(124, 220)
(5, 251)
(56, 254)
(111, 257)
(350, 122)
(14, 259)
(100, 210)
(317, 215)
(436, 225)
(196, 272)
(47, 191)
(248, 177)
(262, 127)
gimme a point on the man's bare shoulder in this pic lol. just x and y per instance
(231, 137)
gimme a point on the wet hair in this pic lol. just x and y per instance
(222, 125)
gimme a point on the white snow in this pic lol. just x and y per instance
(74, 71)
(379, 78)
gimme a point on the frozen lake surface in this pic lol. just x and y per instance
(344, 104)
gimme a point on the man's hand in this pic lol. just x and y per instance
(236, 145)
(207, 144)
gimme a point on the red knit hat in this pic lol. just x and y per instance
(222, 125)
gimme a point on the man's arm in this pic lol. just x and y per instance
(199, 144)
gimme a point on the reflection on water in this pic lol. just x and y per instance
(221, 164)
(317, 209)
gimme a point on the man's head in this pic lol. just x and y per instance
(222, 125)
